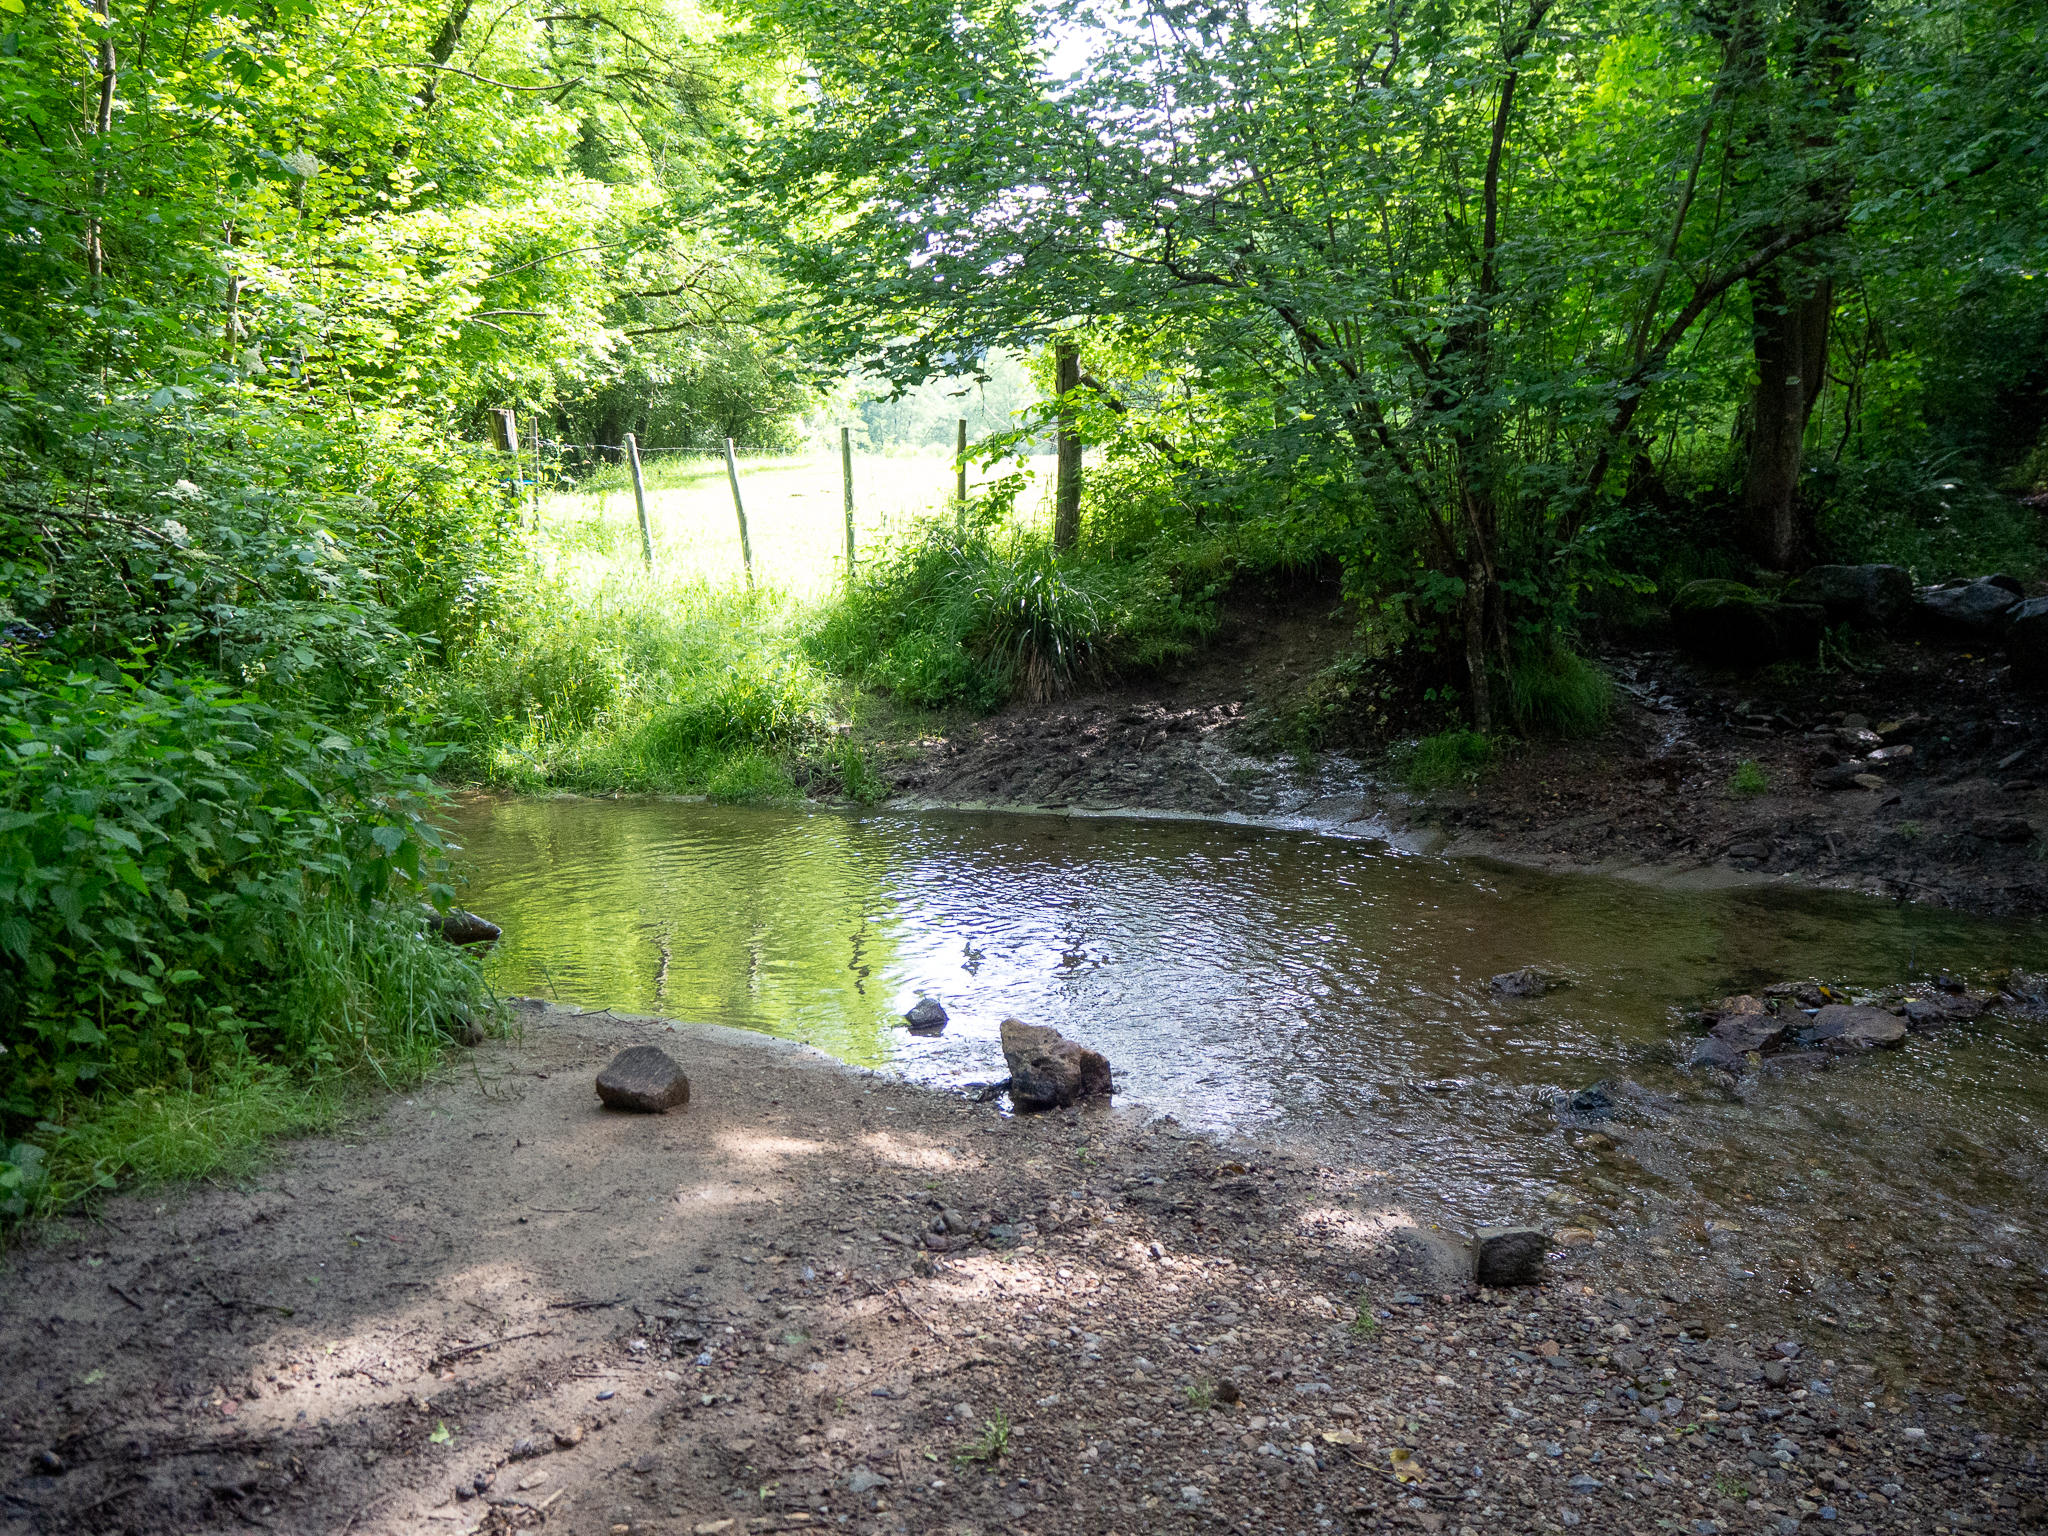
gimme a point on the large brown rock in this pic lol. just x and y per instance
(643, 1079)
(1047, 1070)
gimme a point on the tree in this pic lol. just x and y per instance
(1462, 252)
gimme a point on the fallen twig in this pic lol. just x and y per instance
(470, 1349)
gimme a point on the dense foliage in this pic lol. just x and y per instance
(1463, 292)
(265, 270)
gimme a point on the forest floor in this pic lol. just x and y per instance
(1960, 819)
(493, 1305)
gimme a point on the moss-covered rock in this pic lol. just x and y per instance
(1728, 624)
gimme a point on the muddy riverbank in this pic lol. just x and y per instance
(1954, 814)
(494, 1306)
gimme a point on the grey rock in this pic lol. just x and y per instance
(863, 1481)
(2026, 640)
(1848, 775)
(1839, 1027)
(1429, 1261)
(1711, 1052)
(1591, 1102)
(644, 1079)
(1929, 1013)
(460, 927)
(2028, 987)
(1505, 1256)
(1980, 607)
(1868, 596)
(1745, 1024)
(927, 1017)
(1047, 1070)
(1522, 983)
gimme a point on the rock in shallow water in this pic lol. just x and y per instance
(460, 927)
(1047, 1070)
(1523, 983)
(928, 1017)
(1839, 1027)
(644, 1079)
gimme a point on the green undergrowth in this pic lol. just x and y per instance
(1555, 692)
(639, 683)
(1446, 759)
(951, 620)
(210, 920)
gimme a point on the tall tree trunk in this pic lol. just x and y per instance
(1791, 340)
(99, 123)
(1791, 310)
(441, 52)
(1477, 586)
(1066, 522)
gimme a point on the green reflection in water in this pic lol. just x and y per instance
(690, 912)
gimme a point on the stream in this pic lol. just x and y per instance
(1320, 991)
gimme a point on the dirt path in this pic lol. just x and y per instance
(495, 1306)
(1954, 814)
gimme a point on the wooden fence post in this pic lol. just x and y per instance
(960, 472)
(732, 472)
(640, 500)
(846, 474)
(536, 471)
(1066, 520)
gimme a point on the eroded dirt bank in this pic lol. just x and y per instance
(496, 1306)
(1958, 818)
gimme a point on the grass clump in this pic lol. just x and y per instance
(1748, 779)
(1555, 692)
(945, 621)
(1365, 1325)
(993, 1444)
(1447, 758)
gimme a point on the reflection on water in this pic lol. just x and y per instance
(1262, 980)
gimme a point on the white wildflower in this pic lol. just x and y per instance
(301, 164)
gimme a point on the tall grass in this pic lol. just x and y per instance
(359, 998)
(945, 620)
(639, 682)
(1553, 692)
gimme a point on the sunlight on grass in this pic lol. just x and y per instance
(796, 518)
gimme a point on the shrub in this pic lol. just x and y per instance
(637, 684)
(206, 895)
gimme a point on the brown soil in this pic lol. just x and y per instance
(1961, 821)
(722, 1319)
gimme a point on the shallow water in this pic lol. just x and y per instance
(1278, 984)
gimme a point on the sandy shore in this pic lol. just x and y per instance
(495, 1306)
